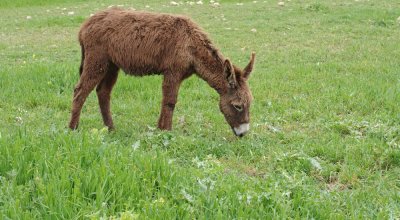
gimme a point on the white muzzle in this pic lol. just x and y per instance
(242, 129)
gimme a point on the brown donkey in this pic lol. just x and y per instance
(142, 43)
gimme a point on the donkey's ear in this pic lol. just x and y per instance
(247, 70)
(230, 73)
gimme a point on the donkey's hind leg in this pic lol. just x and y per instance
(103, 91)
(94, 69)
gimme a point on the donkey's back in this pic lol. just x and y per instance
(140, 43)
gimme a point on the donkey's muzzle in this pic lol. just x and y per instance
(241, 130)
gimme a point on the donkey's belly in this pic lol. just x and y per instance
(141, 71)
(139, 66)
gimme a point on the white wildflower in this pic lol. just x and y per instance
(21, 110)
(281, 3)
(64, 9)
(273, 129)
(199, 2)
(151, 128)
(19, 119)
(187, 196)
(206, 184)
(249, 197)
(287, 194)
(216, 4)
(199, 163)
(239, 4)
(29, 17)
(239, 196)
(203, 186)
(263, 194)
(174, 3)
(136, 145)
(253, 30)
(315, 164)
(71, 13)
(181, 120)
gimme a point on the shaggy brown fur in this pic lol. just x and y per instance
(142, 43)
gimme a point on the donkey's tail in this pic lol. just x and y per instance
(82, 60)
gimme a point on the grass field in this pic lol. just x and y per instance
(325, 128)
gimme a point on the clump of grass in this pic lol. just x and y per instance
(317, 7)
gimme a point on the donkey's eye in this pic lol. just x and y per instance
(239, 108)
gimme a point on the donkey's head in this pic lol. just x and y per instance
(235, 101)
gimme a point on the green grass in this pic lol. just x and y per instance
(325, 136)
(27, 3)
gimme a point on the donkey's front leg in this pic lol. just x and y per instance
(170, 88)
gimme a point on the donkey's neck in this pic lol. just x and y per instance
(210, 68)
